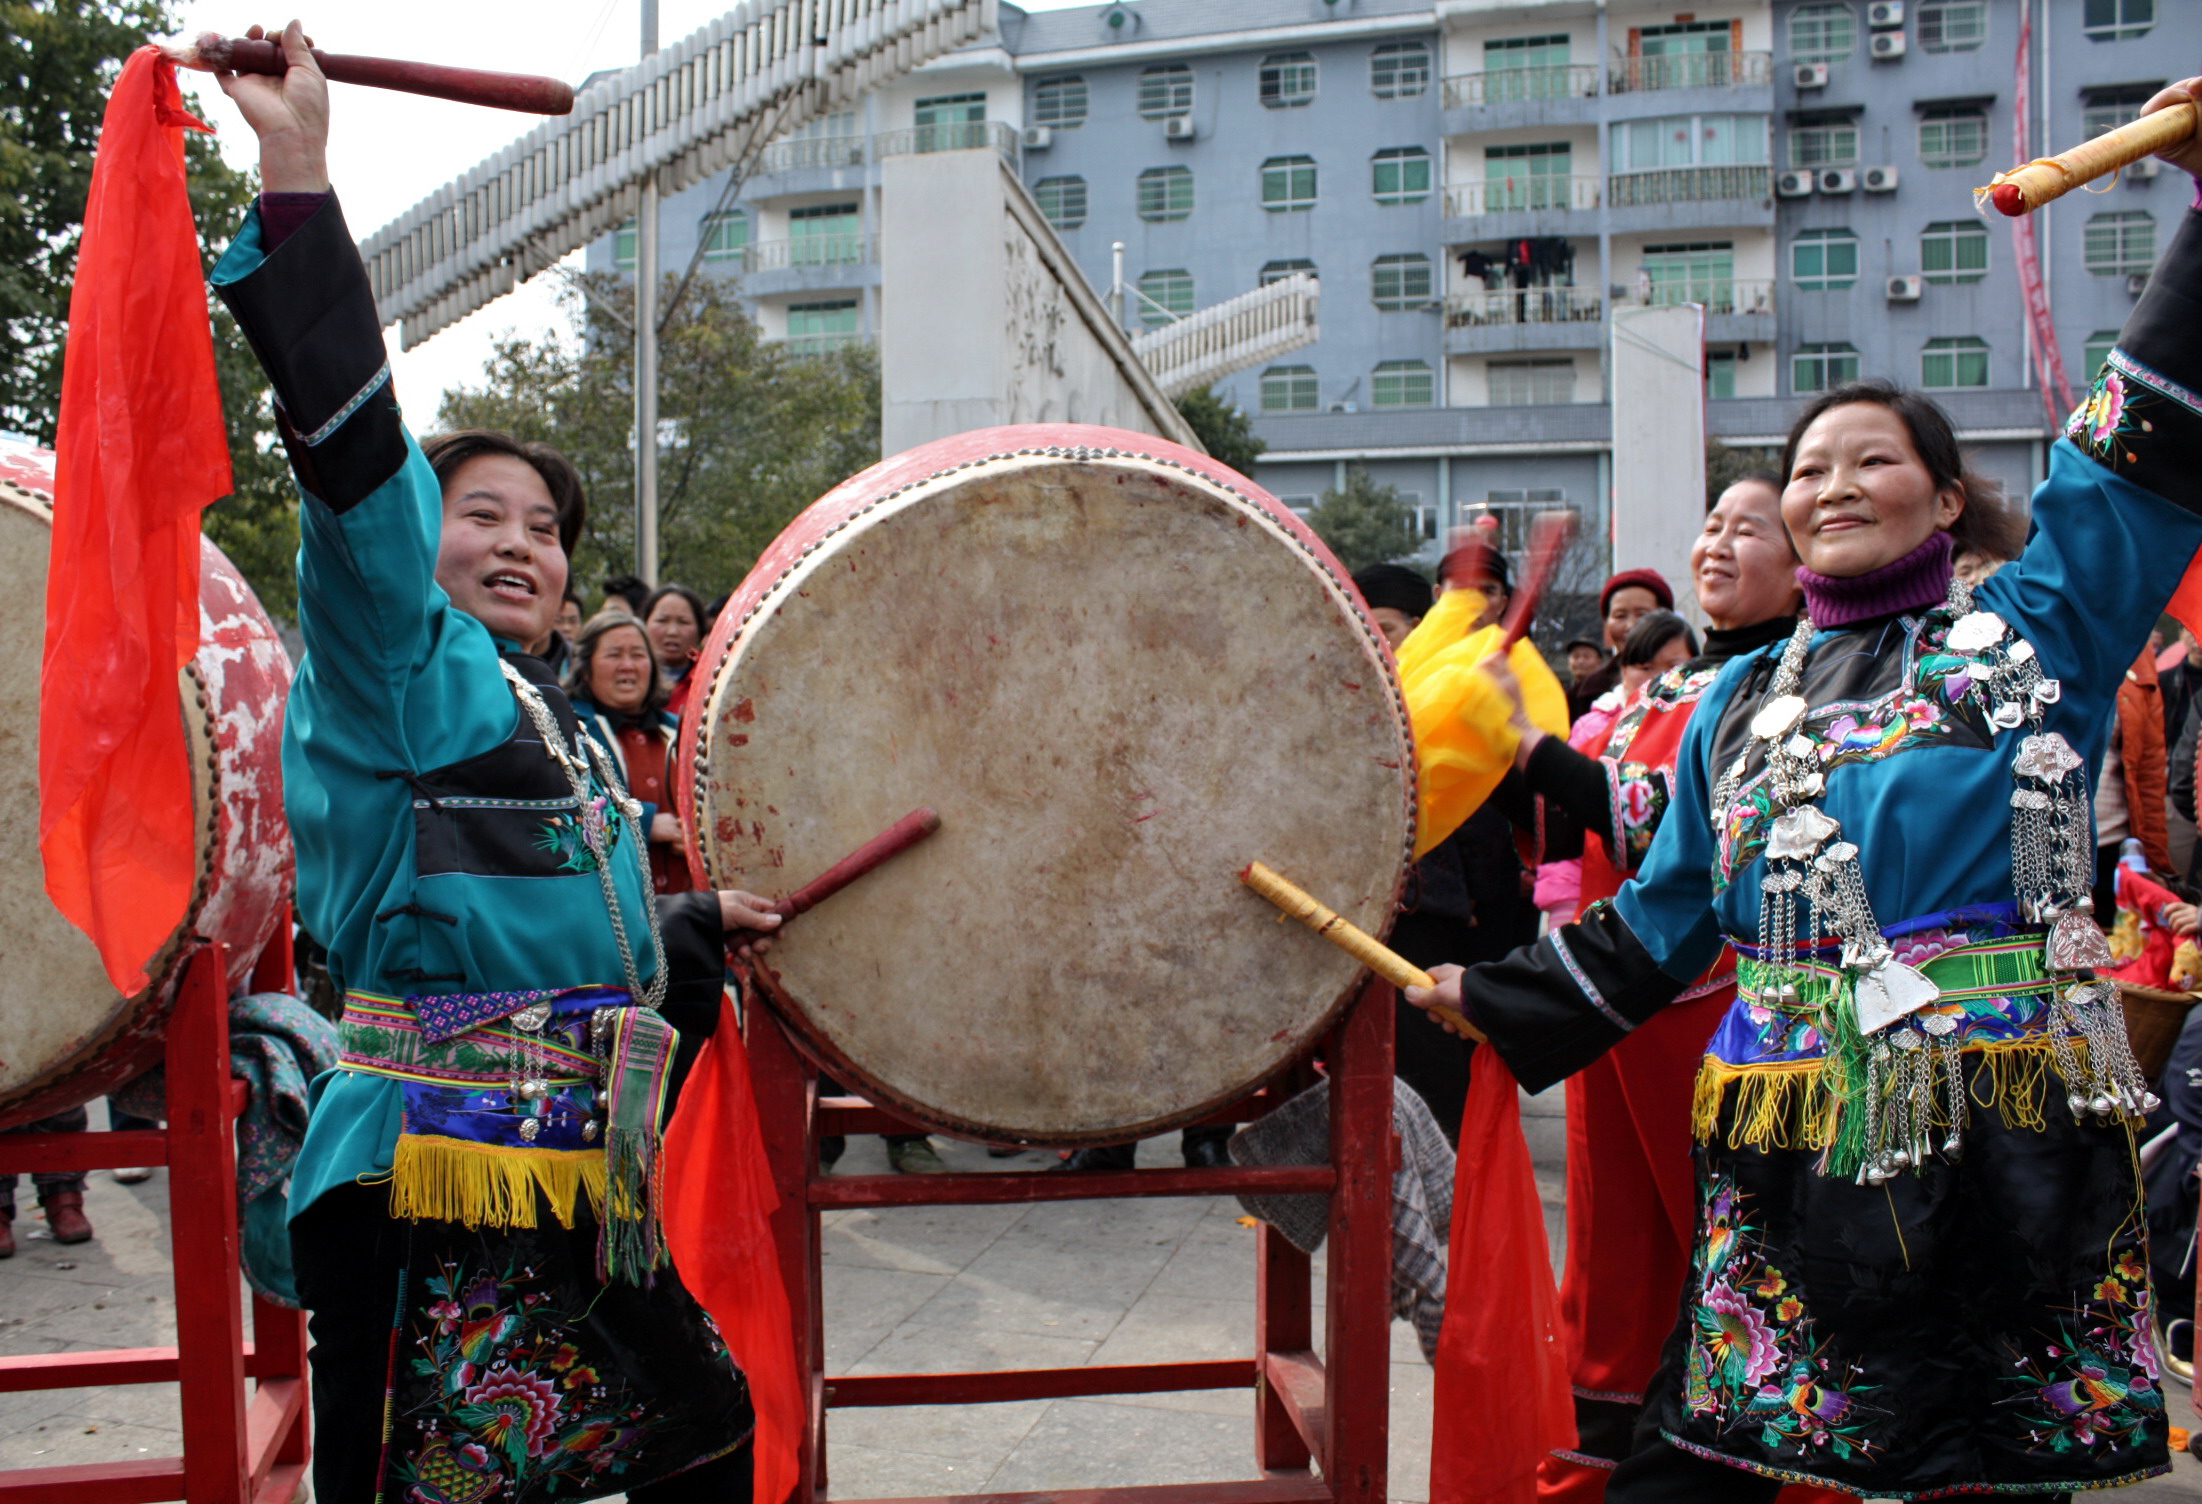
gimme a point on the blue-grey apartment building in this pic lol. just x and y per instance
(1479, 183)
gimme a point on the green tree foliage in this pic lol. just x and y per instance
(1225, 432)
(1365, 523)
(750, 433)
(58, 59)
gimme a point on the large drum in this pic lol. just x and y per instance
(1120, 672)
(66, 1036)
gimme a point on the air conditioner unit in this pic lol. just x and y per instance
(1885, 13)
(2137, 283)
(2144, 169)
(1907, 289)
(1796, 183)
(1038, 137)
(1811, 75)
(1885, 45)
(1345, 407)
(1178, 128)
(1838, 180)
(1878, 180)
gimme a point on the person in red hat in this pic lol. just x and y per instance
(1624, 600)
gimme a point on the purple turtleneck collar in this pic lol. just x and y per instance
(1913, 583)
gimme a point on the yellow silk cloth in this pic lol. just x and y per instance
(1463, 723)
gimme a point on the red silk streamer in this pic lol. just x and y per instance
(140, 452)
(719, 1199)
(1502, 1395)
(2056, 390)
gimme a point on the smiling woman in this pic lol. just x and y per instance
(512, 513)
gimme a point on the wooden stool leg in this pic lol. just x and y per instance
(1357, 1311)
(202, 1191)
(787, 1092)
(1284, 1324)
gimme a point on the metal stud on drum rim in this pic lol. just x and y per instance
(1119, 671)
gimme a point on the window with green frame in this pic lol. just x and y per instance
(951, 122)
(1403, 383)
(815, 328)
(1288, 184)
(2120, 244)
(1062, 200)
(1277, 271)
(623, 246)
(2117, 20)
(2094, 353)
(1400, 175)
(1530, 383)
(1165, 90)
(1954, 250)
(1290, 389)
(1824, 260)
(826, 235)
(1953, 135)
(725, 236)
(1399, 70)
(1401, 282)
(1521, 68)
(1528, 175)
(1824, 143)
(1822, 33)
(1165, 297)
(1950, 363)
(1287, 80)
(1698, 272)
(1165, 193)
(1720, 374)
(1059, 103)
(1952, 25)
(1816, 368)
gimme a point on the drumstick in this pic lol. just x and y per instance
(211, 52)
(891, 842)
(1549, 536)
(2025, 189)
(1354, 941)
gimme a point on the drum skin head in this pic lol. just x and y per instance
(1119, 672)
(66, 1035)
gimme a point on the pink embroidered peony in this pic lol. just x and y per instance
(1737, 1335)
(516, 1402)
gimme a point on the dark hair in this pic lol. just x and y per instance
(584, 660)
(1989, 525)
(628, 588)
(1653, 631)
(446, 452)
(695, 607)
(573, 595)
(1573, 643)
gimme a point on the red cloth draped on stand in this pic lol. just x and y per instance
(141, 451)
(719, 1200)
(1502, 1398)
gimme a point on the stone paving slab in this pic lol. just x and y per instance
(908, 1289)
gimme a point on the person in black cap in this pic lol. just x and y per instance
(1398, 597)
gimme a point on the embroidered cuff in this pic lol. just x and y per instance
(310, 316)
(2143, 417)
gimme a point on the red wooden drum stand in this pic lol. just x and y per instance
(235, 1451)
(1333, 1411)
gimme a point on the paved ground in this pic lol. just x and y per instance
(920, 1289)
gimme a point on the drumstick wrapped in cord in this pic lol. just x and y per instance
(2025, 189)
(1356, 942)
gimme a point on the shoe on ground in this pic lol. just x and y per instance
(830, 1151)
(915, 1157)
(65, 1217)
(2175, 1345)
(1003, 1151)
(1207, 1154)
(134, 1175)
(1103, 1157)
(7, 1236)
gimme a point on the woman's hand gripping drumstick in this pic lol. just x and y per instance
(1438, 993)
(2166, 128)
(289, 112)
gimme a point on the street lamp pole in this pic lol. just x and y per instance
(646, 350)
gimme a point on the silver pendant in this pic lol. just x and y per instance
(1798, 834)
(2075, 944)
(2045, 755)
(2006, 717)
(530, 1128)
(531, 1018)
(1976, 630)
(2048, 692)
(1778, 717)
(1889, 992)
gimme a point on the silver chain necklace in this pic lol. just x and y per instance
(1912, 1076)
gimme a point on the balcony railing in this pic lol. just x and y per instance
(1693, 70)
(1527, 305)
(1520, 85)
(810, 250)
(1521, 195)
(824, 344)
(956, 135)
(1719, 295)
(1689, 185)
(814, 151)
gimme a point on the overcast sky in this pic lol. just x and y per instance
(388, 151)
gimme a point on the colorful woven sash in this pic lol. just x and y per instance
(508, 1113)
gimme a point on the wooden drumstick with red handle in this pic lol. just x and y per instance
(528, 93)
(1356, 942)
(889, 843)
(1549, 536)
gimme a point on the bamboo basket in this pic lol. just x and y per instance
(2154, 1018)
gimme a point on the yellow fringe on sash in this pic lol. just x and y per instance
(493, 1185)
(1791, 1104)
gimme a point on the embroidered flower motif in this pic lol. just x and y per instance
(2112, 1291)
(1736, 1336)
(517, 1412)
(446, 1314)
(1789, 1310)
(1772, 1285)
(2098, 417)
(1918, 713)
